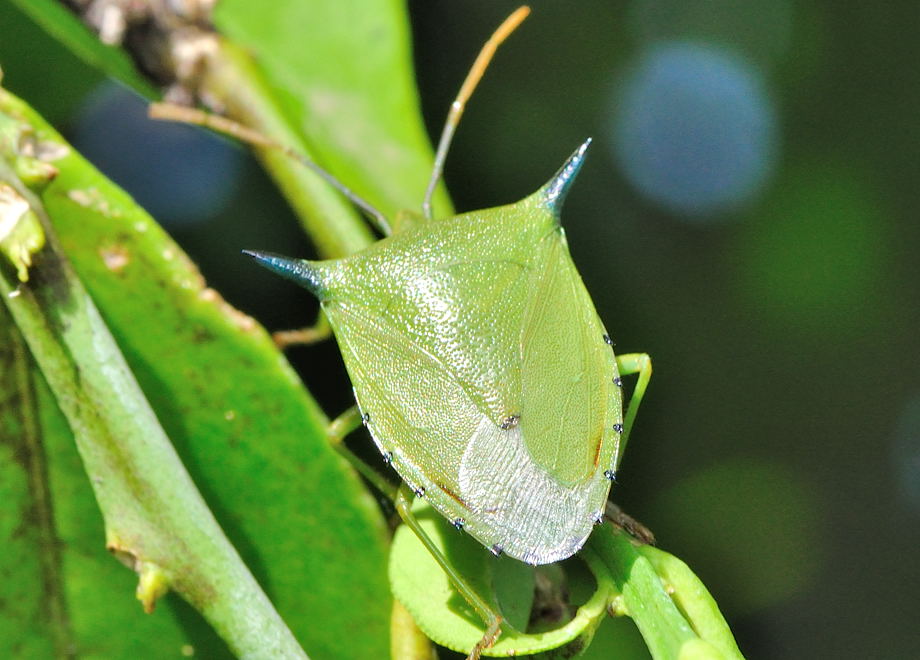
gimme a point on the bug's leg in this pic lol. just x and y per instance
(628, 364)
(402, 496)
(185, 115)
(319, 331)
(627, 523)
(466, 90)
(490, 617)
(337, 431)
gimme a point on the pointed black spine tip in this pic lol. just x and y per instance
(555, 191)
(265, 258)
(300, 271)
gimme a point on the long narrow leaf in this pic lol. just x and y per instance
(233, 407)
(65, 26)
(156, 521)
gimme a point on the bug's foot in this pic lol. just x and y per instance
(628, 524)
(301, 337)
(492, 632)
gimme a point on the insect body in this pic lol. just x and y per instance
(479, 364)
(482, 369)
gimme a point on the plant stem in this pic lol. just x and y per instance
(694, 600)
(156, 520)
(664, 629)
(332, 222)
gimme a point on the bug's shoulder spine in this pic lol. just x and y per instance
(308, 274)
(557, 188)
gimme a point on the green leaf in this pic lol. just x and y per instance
(156, 521)
(668, 604)
(32, 620)
(99, 593)
(341, 73)
(694, 600)
(644, 598)
(423, 588)
(241, 421)
(79, 596)
(62, 24)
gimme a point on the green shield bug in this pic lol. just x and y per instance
(481, 369)
(480, 366)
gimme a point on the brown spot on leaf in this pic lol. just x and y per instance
(92, 198)
(115, 257)
(123, 555)
(81, 197)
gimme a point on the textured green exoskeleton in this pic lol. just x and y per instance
(481, 369)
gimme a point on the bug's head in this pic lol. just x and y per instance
(303, 272)
(556, 189)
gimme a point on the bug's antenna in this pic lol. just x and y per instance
(459, 104)
(179, 113)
